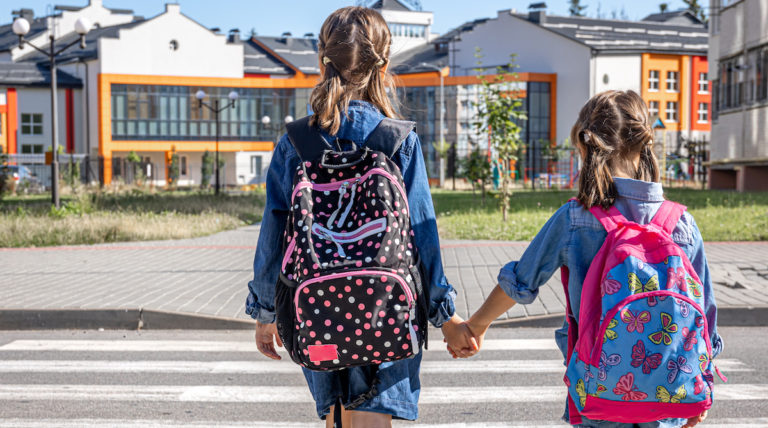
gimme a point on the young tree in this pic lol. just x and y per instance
(206, 170)
(477, 169)
(576, 8)
(696, 9)
(663, 7)
(174, 168)
(499, 113)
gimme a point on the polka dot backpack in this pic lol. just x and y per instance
(350, 290)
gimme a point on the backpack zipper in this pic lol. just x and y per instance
(336, 185)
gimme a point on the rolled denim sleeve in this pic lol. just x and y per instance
(699, 262)
(424, 226)
(266, 262)
(546, 253)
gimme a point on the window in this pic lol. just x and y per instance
(653, 80)
(31, 124)
(183, 165)
(761, 75)
(653, 108)
(671, 111)
(256, 165)
(672, 81)
(28, 149)
(703, 112)
(703, 83)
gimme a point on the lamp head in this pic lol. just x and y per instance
(265, 120)
(200, 95)
(20, 27)
(288, 119)
(82, 26)
(233, 96)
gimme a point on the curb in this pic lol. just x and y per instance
(114, 319)
(143, 319)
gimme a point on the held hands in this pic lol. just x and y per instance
(461, 343)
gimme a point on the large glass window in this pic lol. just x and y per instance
(672, 81)
(703, 112)
(154, 112)
(653, 108)
(703, 83)
(671, 111)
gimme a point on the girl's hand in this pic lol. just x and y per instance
(266, 335)
(478, 330)
(461, 343)
(695, 420)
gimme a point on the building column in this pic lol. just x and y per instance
(12, 120)
(70, 121)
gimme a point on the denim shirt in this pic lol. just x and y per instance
(573, 236)
(361, 119)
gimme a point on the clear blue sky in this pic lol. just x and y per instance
(271, 17)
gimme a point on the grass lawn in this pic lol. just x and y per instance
(721, 216)
(92, 218)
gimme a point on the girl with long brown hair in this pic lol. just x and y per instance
(614, 137)
(353, 97)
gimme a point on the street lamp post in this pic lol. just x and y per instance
(442, 116)
(21, 28)
(216, 110)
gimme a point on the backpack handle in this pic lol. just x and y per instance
(610, 219)
(668, 215)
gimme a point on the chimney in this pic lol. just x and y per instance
(234, 36)
(95, 3)
(27, 14)
(174, 8)
(287, 38)
(537, 12)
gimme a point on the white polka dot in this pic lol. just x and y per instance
(397, 307)
(317, 311)
(359, 343)
(351, 299)
(335, 361)
(387, 344)
(320, 292)
(378, 324)
(327, 336)
(368, 259)
(336, 309)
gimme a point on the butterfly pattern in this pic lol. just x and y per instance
(610, 334)
(694, 286)
(635, 322)
(698, 385)
(675, 366)
(663, 395)
(600, 389)
(605, 364)
(609, 286)
(676, 279)
(626, 388)
(689, 339)
(703, 362)
(641, 357)
(581, 390)
(636, 286)
(668, 328)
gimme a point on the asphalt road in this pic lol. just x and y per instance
(217, 379)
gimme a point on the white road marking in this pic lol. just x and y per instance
(216, 346)
(283, 394)
(287, 367)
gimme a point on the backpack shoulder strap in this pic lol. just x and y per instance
(306, 139)
(668, 215)
(389, 135)
(610, 218)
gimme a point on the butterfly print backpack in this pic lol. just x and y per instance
(641, 350)
(349, 291)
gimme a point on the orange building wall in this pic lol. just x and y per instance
(3, 129)
(664, 63)
(699, 65)
(12, 120)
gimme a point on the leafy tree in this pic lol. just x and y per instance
(696, 9)
(663, 7)
(206, 170)
(174, 168)
(576, 8)
(500, 111)
(477, 169)
(442, 149)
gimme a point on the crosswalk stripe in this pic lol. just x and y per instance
(287, 367)
(223, 346)
(284, 394)
(152, 423)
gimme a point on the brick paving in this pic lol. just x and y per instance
(209, 275)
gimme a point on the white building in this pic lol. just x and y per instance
(409, 25)
(738, 55)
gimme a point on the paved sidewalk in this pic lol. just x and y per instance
(208, 276)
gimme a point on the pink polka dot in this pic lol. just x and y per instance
(361, 306)
(402, 297)
(340, 328)
(348, 339)
(369, 347)
(383, 259)
(327, 303)
(396, 330)
(369, 291)
(347, 289)
(331, 289)
(382, 314)
(367, 326)
(383, 278)
(388, 288)
(309, 323)
(405, 346)
(306, 291)
(391, 321)
(340, 295)
(313, 176)
(348, 316)
(303, 212)
(390, 354)
(358, 332)
(311, 300)
(377, 334)
(358, 282)
(368, 315)
(354, 356)
(312, 334)
(376, 353)
(358, 263)
(327, 323)
(378, 302)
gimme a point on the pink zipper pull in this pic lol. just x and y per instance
(722, 377)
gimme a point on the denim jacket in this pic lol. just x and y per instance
(361, 119)
(572, 238)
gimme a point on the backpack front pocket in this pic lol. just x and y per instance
(355, 318)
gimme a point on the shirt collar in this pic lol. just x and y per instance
(638, 189)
